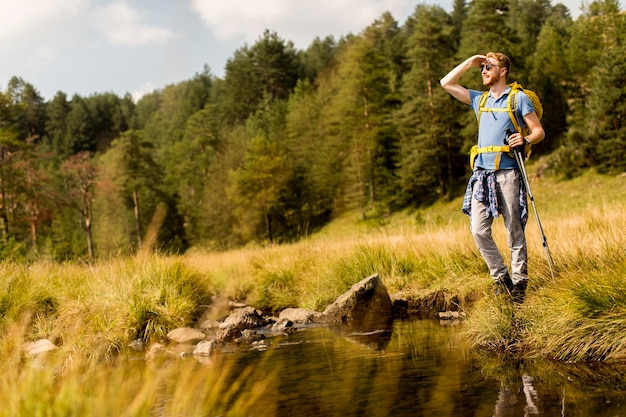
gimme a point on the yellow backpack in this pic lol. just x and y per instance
(510, 108)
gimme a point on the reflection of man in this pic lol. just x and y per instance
(531, 396)
(509, 402)
(496, 186)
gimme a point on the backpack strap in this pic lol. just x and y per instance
(511, 104)
(510, 107)
(481, 106)
(475, 151)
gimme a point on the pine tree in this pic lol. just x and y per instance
(431, 159)
(201, 146)
(594, 96)
(550, 78)
(486, 29)
(606, 120)
(270, 67)
(259, 183)
(56, 129)
(317, 57)
(358, 115)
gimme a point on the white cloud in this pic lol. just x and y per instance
(41, 58)
(299, 21)
(146, 88)
(123, 25)
(18, 18)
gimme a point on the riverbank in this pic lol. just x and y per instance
(93, 312)
(429, 259)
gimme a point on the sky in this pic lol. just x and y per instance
(88, 47)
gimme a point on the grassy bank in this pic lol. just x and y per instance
(92, 312)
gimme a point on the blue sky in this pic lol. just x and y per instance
(137, 46)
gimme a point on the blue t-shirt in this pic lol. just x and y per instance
(493, 127)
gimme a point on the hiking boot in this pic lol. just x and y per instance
(503, 286)
(519, 292)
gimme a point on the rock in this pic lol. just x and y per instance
(137, 344)
(282, 326)
(366, 305)
(186, 335)
(38, 347)
(249, 336)
(206, 348)
(300, 315)
(450, 315)
(228, 334)
(260, 345)
(159, 351)
(245, 318)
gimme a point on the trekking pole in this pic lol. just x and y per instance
(519, 157)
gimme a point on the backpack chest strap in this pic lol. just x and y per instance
(510, 108)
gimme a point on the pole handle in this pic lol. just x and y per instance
(519, 150)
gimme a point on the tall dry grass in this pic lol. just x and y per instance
(63, 384)
(93, 311)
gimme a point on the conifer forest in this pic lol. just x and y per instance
(289, 139)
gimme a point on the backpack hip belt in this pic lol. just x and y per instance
(475, 151)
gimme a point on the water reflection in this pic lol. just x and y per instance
(509, 401)
(374, 339)
(413, 369)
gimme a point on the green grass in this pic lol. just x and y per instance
(98, 309)
(430, 250)
(94, 311)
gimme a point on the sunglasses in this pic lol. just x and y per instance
(488, 66)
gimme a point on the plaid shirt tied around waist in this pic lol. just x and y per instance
(486, 193)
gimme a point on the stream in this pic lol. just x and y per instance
(416, 368)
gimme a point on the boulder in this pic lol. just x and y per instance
(366, 305)
(186, 335)
(242, 319)
(205, 349)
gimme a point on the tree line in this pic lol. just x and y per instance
(289, 138)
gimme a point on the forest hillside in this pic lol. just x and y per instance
(289, 139)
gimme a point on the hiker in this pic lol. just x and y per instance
(496, 186)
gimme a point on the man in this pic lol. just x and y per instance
(496, 186)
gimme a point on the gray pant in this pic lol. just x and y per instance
(507, 188)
